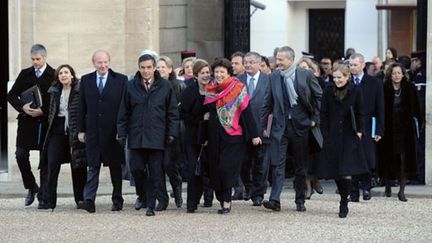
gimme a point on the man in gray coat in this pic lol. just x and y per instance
(294, 100)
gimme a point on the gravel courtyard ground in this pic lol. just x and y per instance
(378, 220)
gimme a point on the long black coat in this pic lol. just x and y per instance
(225, 152)
(148, 118)
(97, 117)
(389, 167)
(342, 153)
(77, 154)
(191, 112)
(31, 130)
(373, 97)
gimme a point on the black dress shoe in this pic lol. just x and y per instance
(273, 205)
(300, 207)
(161, 207)
(117, 206)
(178, 196)
(190, 210)
(45, 205)
(318, 189)
(150, 212)
(247, 196)
(366, 195)
(237, 196)
(257, 201)
(343, 210)
(402, 197)
(29, 199)
(87, 205)
(354, 198)
(208, 204)
(224, 211)
(139, 203)
(388, 192)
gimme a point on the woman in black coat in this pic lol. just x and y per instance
(191, 112)
(230, 126)
(342, 124)
(61, 143)
(397, 151)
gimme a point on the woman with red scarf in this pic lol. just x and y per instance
(230, 126)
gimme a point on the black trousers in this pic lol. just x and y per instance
(58, 150)
(360, 181)
(197, 185)
(223, 195)
(253, 173)
(146, 168)
(172, 168)
(29, 181)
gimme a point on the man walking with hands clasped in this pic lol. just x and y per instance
(100, 96)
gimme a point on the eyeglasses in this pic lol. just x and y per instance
(249, 62)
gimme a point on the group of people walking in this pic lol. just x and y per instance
(233, 123)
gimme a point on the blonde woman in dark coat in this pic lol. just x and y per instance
(342, 125)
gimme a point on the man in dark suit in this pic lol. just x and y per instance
(294, 99)
(149, 119)
(252, 172)
(373, 96)
(100, 96)
(32, 121)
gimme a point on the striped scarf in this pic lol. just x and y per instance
(231, 99)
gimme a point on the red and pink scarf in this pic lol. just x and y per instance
(231, 99)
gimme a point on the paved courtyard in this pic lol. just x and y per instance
(378, 220)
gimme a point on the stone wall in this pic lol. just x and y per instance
(72, 30)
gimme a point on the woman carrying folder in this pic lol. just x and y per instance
(342, 126)
(397, 149)
(61, 143)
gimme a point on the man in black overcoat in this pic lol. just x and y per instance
(254, 172)
(149, 120)
(294, 99)
(32, 121)
(100, 96)
(373, 97)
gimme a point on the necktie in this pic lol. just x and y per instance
(100, 85)
(38, 72)
(251, 86)
(146, 85)
(357, 81)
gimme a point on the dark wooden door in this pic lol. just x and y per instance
(326, 33)
(236, 26)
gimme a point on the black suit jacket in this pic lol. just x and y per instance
(97, 117)
(257, 98)
(309, 100)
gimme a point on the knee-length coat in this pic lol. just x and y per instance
(410, 108)
(343, 153)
